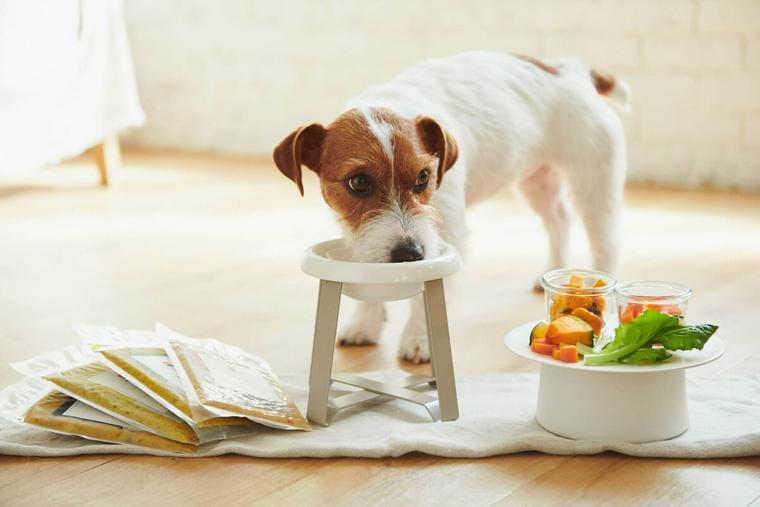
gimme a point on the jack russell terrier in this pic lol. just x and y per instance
(406, 158)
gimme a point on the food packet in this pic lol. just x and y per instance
(139, 357)
(226, 380)
(32, 403)
(76, 371)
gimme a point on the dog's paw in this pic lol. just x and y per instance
(365, 327)
(353, 335)
(415, 348)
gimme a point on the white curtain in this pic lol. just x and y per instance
(66, 80)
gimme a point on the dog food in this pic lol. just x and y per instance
(32, 403)
(76, 374)
(147, 367)
(151, 370)
(227, 381)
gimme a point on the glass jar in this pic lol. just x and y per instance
(636, 296)
(567, 290)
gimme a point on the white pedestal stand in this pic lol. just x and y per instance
(379, 282)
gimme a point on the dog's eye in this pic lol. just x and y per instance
(422, 180)
(360, 184)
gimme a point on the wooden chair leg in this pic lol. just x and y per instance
(108, 157)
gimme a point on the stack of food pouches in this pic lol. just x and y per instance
(152, 389)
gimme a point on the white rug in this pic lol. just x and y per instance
(497, 417)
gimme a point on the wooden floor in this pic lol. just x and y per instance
(211, 246)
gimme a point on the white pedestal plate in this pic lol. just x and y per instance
(627, 403)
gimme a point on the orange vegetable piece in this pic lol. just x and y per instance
(576, 281)
(631, 311)
(599, 283)
(539, 331)
(579, 302)
(571, 330)
(555, 353)
(542, 347)
(554, 311)
(669, 309)
(600, 303)
(568, 354)
(591, 319)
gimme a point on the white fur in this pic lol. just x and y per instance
(514, 123)
(381, 130)
(366, 325)
(393, 224)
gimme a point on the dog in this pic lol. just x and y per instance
(407, 157)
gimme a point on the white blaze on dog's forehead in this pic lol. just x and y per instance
(381, 130)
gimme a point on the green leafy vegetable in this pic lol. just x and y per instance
(633, 336)
(645, 355)
(687, 337)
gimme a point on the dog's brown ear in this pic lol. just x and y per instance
(437, 141)
(302, 146)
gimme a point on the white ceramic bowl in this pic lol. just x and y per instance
(376, 281)
(622, 402)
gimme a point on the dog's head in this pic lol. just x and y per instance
(378, 171)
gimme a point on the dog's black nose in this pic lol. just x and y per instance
(407, 251)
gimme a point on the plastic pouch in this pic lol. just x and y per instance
(32, 403)
(226, 380)
(140, 357)
(76, 372)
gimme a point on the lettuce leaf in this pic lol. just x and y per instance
(645, 355)
(686, 337)
(633, 336)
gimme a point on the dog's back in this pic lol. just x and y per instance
(508, 113)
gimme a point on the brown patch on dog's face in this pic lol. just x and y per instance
(362, 173)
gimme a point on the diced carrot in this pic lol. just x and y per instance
(555, 353)
(568, 354)
(542, 347)
(591, 319)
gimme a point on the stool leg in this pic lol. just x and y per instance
(325, 330)
(440, 349)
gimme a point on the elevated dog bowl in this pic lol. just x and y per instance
(330, 262)
(375, 281)
(626, 403)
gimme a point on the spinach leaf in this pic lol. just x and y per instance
(686, 337)
(645, 355)
(633, 336)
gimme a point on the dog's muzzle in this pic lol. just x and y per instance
(407, 251)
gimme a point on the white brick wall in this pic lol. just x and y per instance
(235, 77)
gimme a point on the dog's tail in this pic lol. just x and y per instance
(613, 88)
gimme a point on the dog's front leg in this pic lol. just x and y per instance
(414, 345)
(365, 326)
